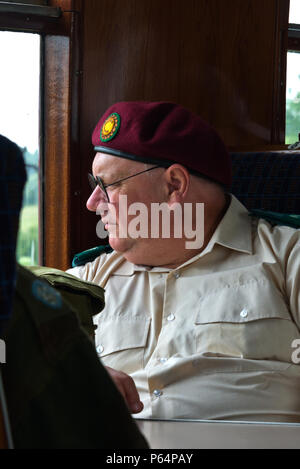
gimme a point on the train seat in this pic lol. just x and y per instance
(268, 180)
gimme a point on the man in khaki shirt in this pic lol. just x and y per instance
(204, 332)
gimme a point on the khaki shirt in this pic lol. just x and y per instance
(211, 339)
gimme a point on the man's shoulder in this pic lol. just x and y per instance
(32, 290)
(37, 302)
(50, 296)
(86, 262)
(95, 269)
(280, 237)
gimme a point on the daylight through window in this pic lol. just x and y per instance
(293, 76)
(19, 121)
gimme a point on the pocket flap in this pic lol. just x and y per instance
(114, 335)
(242, 303)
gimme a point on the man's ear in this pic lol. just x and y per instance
(178, 181)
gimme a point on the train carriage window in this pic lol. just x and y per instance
(19, 121)
(54, 26)
(293, 75)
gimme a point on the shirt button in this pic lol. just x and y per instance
(157, 392)
(163, 360)
(100, 349)
(171, 317)
(244, 313)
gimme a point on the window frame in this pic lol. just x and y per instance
(294, 37)
(29, 8)
(50, 19)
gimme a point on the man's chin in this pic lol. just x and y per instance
(131, 250)
(120, 244)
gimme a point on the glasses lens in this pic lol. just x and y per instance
(92, 182)
(96, 181)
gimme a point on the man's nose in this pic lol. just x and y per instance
(95, 199)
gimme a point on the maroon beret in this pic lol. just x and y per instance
(163, 133)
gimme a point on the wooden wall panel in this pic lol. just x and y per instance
(215, 57)
(218, 58)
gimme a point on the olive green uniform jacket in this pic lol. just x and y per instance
(58, 393)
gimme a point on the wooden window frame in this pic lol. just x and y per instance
(279, 84)
(59, 126)
(294, 38)
(278, 127)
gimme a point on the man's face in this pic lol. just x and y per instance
(142, 188)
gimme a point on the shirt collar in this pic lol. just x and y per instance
(234, 231)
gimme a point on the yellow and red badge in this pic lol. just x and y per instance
(110, 127)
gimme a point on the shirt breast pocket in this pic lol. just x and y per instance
(121, 341)
(249, 320)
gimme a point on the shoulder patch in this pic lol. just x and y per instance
(46, 294)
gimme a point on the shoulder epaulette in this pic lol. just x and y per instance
(276, 218)
(90, 255)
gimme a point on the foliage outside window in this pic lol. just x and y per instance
(293, 98)
(293, 75)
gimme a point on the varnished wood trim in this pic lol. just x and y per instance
(279, 67)
(76, 76)
(62, 163)
(57, 152)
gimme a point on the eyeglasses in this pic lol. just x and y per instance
(97, 181)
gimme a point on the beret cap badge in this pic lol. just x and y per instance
(110, 127)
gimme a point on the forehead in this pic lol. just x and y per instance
(107, 165)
